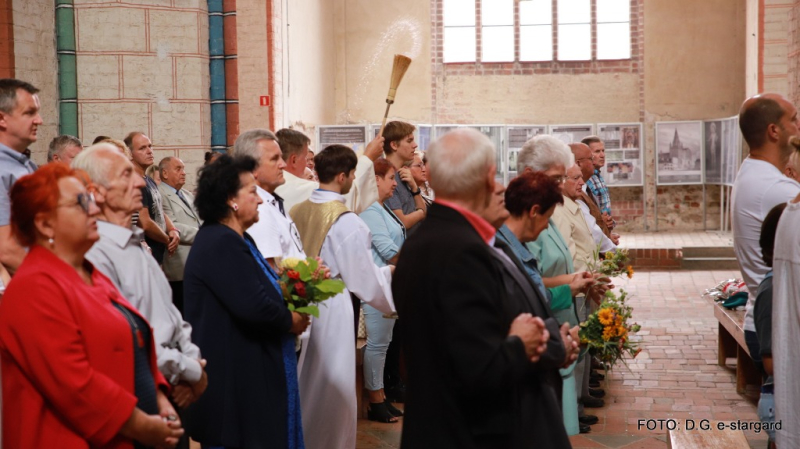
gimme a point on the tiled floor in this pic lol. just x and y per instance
(676, 376)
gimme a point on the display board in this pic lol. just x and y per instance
(495, 133)
(731, 150)
(571, 133)
(624, 163)
(679, 153)
(516, 136)
(712, 151)
(353, 136)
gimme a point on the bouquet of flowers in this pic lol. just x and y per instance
(607, 331)
(305, 284)
(612, 264)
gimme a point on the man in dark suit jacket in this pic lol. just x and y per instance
(482, 372)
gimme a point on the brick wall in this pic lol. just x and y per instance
(6, 39)
(35, 61)
(774, 67)
(793, 57)
(145, 68)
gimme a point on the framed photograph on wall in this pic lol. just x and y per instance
(353, 136)
(571, 133)
(624, 162)
(679, 158)
(712, 151)
(516, 136)
(731, 150)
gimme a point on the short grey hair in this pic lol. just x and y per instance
(247, 142)
(458, 163)
(542, 152)
(97, 167)
(60, 143)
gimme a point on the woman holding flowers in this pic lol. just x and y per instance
(240, 320)
(388, 235)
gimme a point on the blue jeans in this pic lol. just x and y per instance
(766, 412)
(379, 335)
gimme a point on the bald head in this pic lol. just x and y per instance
(461, 163)
(767, 120)
(583, 159)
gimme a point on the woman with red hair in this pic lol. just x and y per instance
(78, 362)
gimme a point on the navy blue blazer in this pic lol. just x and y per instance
(238, 318)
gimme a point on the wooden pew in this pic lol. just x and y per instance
(713, 438)
(731, 344)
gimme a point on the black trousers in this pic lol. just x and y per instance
(177, 294)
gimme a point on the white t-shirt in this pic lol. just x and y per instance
(786, 326)
(759, 187)
(274, 233)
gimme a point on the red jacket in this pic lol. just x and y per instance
(67, 358)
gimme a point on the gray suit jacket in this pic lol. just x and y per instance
(186, 220)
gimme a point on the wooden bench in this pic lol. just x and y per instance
(713, 438)
(731, 344)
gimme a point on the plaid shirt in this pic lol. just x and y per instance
(599, 190)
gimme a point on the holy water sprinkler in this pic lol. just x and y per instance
(399, 68)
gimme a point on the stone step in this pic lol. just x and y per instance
(708, 251)
(709, 263)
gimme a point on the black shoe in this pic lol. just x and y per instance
(593, 402)
(392, 409)
(593, 383)
(588, 420)
(596, 376)
(597, 393)
(396, 394)
(378, 412)
(585, 429)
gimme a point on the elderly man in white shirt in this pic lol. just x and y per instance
(275, 234)
(120, 256)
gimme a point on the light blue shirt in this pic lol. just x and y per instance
(13, 165)
(388, 232)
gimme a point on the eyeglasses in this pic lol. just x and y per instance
(85, 201)
(416, 166)
(559, 179)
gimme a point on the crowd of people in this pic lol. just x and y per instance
(136, 313)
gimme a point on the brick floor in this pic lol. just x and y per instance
(675, 377)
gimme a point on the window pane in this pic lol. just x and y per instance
(574, 42)
(501, 12)
(613, 11)
(497, 44)
(536, 12)
(613, 41)
(458, 12)
(536, 43)
(574, 11)
(459, 44)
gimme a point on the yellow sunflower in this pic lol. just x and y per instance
(630, 271)
(606, 316)
(608, 333)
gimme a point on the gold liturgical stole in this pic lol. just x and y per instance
(314, 220)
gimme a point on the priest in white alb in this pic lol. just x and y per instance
(327, 366)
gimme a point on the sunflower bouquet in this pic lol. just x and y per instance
(305, 284)
(607, 331)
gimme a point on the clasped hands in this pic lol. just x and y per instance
(534, 335)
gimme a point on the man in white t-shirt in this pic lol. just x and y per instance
(275, 234)
(767, 122)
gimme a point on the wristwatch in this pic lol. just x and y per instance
(417, 192)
